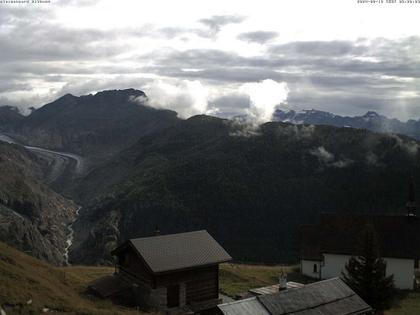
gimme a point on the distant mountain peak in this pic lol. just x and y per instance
(371, 120)
(371, 114)
(123, 92)
(65, 99)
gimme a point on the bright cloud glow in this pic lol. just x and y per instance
(186, 97)
(264, 96)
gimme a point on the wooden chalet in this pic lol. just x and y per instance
(170, 272)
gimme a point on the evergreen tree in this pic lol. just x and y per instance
(365, 274)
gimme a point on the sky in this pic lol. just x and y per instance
(216, 57)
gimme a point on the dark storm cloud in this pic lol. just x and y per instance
(318, 48)
(10, 86)
(343, 60)
(230, 105)
(78, 87)
(26, 38)
(172, 32)
(197, 58)
(260, 37)
(351, 104)
(216, 22)
(340, 76)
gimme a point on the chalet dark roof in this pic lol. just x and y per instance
(326, 297)
(310, 240)
(178, 251)
(398, 235)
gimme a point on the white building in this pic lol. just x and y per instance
(327, 247)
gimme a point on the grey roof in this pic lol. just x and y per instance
(180, 251)
(249, 306)
(274, 288)
(328, 297)
(349, 306)
(331, 296)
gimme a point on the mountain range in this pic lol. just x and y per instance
(250, 186)
(370, 121)
(93, 126)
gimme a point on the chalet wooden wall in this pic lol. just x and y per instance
(131, 263)
(195, 285)
(201, 284)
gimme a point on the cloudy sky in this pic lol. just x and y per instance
(216, 57)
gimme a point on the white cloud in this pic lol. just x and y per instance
(323, 155)
(371, 158)
(192, 97)
(328, 159)
(186, 97)
(342, 163)
(410, 146)
(297, 131)
(264, 96)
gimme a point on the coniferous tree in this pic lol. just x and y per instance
(366, 273)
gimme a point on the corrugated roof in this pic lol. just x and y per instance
(249, 306)
(351, 305)
(180, 251)
(274, 288)
(326, 297)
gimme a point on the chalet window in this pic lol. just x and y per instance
(315, 268)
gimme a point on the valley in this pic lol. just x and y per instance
(33, 217)
(209, 158)
(132, 168)
(59, 164)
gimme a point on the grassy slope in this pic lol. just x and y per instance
(23, 278)
(409, 304)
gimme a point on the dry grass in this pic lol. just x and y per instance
(23, 279)
(239, 278)
(407, 304)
